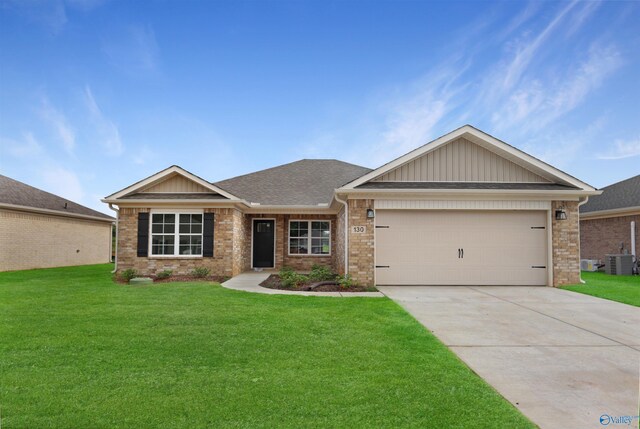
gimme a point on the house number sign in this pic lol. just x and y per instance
(358, 229)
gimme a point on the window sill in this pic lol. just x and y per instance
(306, 255)
(176, 257)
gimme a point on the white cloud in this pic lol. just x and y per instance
(58, 122)
(133, 51)
(63, 182)
(622, 149)
(27, 147)
(108, 132)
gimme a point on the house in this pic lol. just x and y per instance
(465, 208)
(42, 230)
(610, 223)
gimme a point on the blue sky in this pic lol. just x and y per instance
(95, 95)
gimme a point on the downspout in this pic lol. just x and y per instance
(115, 261)
(346, 233)
(579, 204)
(633, 245)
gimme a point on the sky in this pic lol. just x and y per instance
(96, 94)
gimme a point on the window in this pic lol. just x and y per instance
(176, 234)
(309, 237)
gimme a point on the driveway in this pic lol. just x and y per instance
(564, 359)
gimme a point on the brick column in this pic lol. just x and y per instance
(361, 245)
(566, 244)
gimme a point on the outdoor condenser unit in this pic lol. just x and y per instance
(589, 265)
(621, 265)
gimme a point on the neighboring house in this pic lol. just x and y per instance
(465, 208)
(608, 221)
(42, 230)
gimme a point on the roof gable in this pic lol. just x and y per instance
(461, 161)
(513, 165)
(175, 181)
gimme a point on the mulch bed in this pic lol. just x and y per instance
(177, 278)
(274, 282)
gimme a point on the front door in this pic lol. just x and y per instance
(263, 243)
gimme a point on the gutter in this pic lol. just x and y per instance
(346, 232)
(52, 212)
(579, 204)
(115, 261)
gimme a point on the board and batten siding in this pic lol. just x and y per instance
(461, 161)
(176, 184)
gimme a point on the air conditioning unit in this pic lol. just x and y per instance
(621, 265)
(589, 264)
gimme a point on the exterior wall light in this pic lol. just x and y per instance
(370, 214)
(561, 214)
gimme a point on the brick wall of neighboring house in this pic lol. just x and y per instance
(599, 237)
(340, 244)
(566, 244)
(361, 245)
(32, 240)
(227, 235)
(297, 262)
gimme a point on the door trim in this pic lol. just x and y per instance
(275, 224)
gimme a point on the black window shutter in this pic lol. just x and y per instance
(143, 234)
(207, 236)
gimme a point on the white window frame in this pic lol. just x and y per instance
(176, 234)
(309, 221)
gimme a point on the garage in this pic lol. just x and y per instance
(461, 247)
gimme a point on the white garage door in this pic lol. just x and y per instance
(420, 247)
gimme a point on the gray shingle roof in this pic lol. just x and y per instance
(304, 182)
(21, 194)
(466, 185)
(617, 196)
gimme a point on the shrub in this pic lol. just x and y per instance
(165, 274)
(200, 272)
(128, 274)
(321, 273)
(346, 281)
(290, 278)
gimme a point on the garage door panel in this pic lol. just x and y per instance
(500, 247)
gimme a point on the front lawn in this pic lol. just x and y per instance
(625, 289)
(79, 351)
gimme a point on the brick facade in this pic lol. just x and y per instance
(32, 240)
(228, 259)
(361, 245)
(565, 244)
(599, 237)
(340, 244)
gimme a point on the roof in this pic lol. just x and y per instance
(466, 185)
(20, 194)
(304, 182)
(624, 194)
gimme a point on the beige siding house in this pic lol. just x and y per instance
(463, 209)
(42, 230)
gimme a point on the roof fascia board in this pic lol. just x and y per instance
(403, 193)
(460, 132)
(624, 211)
(53, 212)
(164, 173)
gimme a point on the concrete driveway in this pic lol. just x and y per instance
(563, 358)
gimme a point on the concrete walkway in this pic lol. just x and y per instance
(250, 282)
(564, 359)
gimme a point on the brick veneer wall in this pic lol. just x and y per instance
(33, 240)
(340, 244)
(228, 243)
(565, 244)
(297, 262)
(599, 237)
(361, 245)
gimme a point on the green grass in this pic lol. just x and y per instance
(79, 351)
(625, 289)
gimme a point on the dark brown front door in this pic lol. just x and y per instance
(263, 243)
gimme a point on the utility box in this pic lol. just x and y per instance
(621, 265)
(589, 264)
